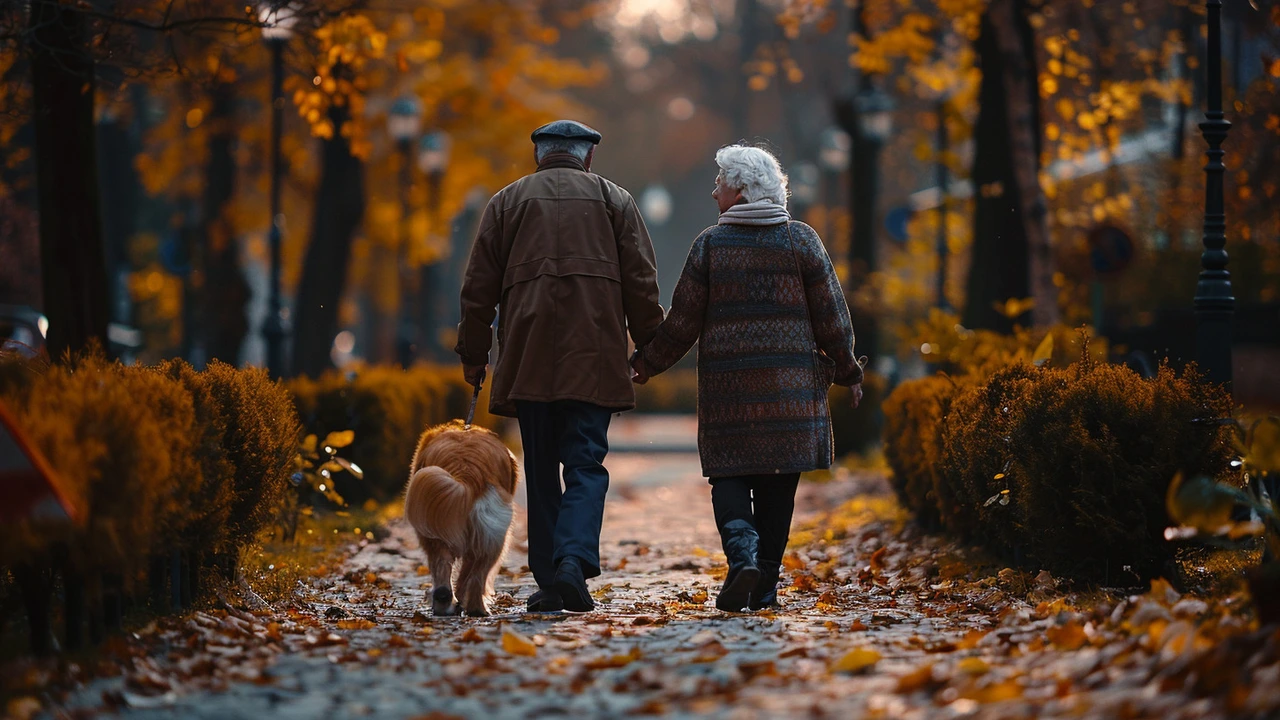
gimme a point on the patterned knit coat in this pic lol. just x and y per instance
(763, 368)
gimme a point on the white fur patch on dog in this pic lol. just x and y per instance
(491, 517)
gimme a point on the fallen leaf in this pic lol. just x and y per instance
(1067, 637)
(614, 661)
(699, 597)
(357, 624)
(877, 559)
(973, 666)
(470, 636)
(918, 679)
(516, 644)
(856, 660)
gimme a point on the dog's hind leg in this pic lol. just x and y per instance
(440, 560)
(491, 526)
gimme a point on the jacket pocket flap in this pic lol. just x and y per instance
(560, 267)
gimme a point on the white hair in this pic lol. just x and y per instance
(754, 172)
(576, 148)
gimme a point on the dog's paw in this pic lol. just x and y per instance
(478, 612)
(451, 609)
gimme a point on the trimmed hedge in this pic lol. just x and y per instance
(1064, 468)
(163, 462)
(388, 408)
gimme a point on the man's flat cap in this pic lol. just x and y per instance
(569, 129)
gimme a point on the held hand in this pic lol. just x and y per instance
(474, 374)
(638, 375)
(855, 395)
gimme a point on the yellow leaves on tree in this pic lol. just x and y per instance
(347, 44)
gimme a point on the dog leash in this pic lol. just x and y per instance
(475, 397)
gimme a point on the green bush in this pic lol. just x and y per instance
(1065, 468)
(387, 408)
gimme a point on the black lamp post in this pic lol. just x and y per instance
(404, 123)
(873, 124)
(434, 151)
(834, 146)
(278, 22)
(942, 206)
(1214, 302)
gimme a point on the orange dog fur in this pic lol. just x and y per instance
(460, 502)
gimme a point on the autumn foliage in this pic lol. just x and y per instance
(387, 408)
(159, 459)
(1061, 468)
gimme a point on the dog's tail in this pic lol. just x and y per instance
(438, 506)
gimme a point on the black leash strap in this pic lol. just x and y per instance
(475, 397)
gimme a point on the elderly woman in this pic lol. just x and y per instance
(760, 298)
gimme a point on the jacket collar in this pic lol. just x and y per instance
(561, 160)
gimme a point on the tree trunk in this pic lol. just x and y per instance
(339, 210)
(73, 267)
(1016, 44)
(225, 291)
(998, 269)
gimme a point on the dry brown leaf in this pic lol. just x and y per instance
(470, 636)
(877, 559)
(918, 679)
(614, 661)
(973, 666)
(1067, 637)
(357, 624)
(699, 597)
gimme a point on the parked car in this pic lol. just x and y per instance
(22, 330)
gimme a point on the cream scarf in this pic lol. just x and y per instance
(760, 212)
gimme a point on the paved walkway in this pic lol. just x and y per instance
(879, 621)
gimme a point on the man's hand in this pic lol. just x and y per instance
(474, 374)
(855, 395)
(639, 377)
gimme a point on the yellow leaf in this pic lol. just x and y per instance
(1044, 351)
(1067, 637)
(973, 666)
(856, 661)
(357, 624)
(516, 644)
(339, 439)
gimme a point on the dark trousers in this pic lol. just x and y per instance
(765, 501)
(564, 522)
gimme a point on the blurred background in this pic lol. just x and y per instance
(296, 185)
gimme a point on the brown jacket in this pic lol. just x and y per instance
(566, 255)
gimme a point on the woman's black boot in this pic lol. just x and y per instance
(740, 544)
(765, 593)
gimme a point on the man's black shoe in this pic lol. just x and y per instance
(545, 601)
(572, 586)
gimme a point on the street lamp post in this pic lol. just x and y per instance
(874, 124)
(804, 188)
(404, 123)
(834, 146)
(1214, 302)
(942, 206)
(277, 28)
(433, 158)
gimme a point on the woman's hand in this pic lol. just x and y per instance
(638, 376)
(855, 395)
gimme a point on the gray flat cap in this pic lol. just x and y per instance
(571, 129)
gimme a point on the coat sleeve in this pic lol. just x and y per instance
(832, 327)
(481, 290)
(639, 268)
(683, 326)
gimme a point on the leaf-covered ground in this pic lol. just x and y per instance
(879, 620)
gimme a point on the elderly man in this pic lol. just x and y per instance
(566, 255)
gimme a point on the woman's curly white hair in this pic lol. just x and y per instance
(754, 171)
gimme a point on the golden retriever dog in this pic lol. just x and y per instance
(460, 502)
